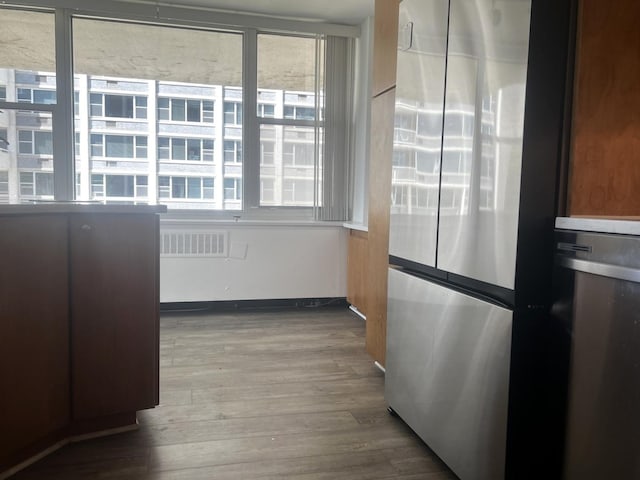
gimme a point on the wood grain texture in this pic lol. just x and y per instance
(382, 113)
(34, 326)
(357, 260)
(385, 42)
(275, 395)
(114, 266)
(605, 160)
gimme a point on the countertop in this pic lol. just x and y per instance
(77, 207)
(616, 225)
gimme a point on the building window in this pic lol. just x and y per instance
(36, 95)
(299, 113)
(35, 142)
(298, 154)
(192, 188)
(36, 184)
(4, 183)
(119, 186)
(117, 106)
(3, 94)
(4, 142)
(298, 192)
(232, 151)
(232, 189)
(118, 146)
(266, 110)
(266, 152)
(185, 110)
(233, 113)
(190, 149)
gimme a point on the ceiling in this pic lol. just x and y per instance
(350, 12)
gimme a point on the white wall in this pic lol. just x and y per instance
(282, 261)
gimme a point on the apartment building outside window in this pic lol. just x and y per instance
(142, 129)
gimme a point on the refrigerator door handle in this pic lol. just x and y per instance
(602, 269)
(405, 37)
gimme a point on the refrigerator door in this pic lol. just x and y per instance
(482, 143)
(418, 130)
(447, 373)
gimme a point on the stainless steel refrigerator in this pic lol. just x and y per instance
(480, 105)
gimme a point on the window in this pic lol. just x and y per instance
(299, 113)
(119, 186)
(117, 106)
(289, 138)
(232, 189)
(35, 95)
(34, 142)
(36, 184)
(192, 188)
(232, 151)
(280, 137)
(266, 110)
(3, 93)
(185, 110)
(233, 113)
(4, 183)
(299, 154)
(298, 192)
(118, 146)
(191, 149)
(4, 142)
(266, 152)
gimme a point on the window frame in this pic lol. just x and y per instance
(63, 109)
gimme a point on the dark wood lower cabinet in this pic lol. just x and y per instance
(34, 332)
(114, 263)
(79, 313)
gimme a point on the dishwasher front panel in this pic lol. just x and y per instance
(447, 373)
(602, 283)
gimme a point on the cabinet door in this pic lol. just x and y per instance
(34, 332)
(114, 324)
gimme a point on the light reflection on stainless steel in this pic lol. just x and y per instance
(447, 376)
(483, 130)
(418, 130)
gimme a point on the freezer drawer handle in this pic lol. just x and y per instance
(602, 269)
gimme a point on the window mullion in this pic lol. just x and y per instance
(250, 124)
(63, 138)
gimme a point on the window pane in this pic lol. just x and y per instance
(193, 110)
(274, 57)
(44, 184)
(194, 190)
(138, 53)
(31, 37)
(178, 149)
(118, 106)
(47, 97)
(193, 149)
(178, 187)
(27, 75)
(288, 176)
(43, 143)
(119, 146)
(177, 110)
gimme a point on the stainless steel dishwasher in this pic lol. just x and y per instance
(598, 289)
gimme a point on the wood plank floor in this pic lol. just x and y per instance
(255, 395)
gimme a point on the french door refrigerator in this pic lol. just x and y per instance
(478, 135)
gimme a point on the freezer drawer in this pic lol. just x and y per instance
(447, 374)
